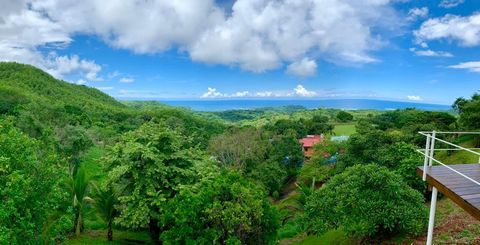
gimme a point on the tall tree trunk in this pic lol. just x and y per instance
(154, 231)
(110, 232)
(79, 225)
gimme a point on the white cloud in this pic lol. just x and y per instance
(303, 68)
(81, 82)
(104, 88)
(212, 93)
(59, 66)
(126, 80)
(415, 13)
(256, 35)
(430, 53)
(450, 3)
(473, 66)
(259, 35)
(23, 30)
(465, 30)
(241, 94)
(301, 91)
(414, 97)
(297, 91)
(264, 94)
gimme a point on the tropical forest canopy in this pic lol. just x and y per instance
(73, 159)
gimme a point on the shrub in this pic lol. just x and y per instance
(315, 170)
(271, 175)
(227, 209)
(366, 201)
(344, 116)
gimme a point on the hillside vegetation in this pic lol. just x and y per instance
(77, 166)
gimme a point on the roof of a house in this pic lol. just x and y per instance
(311, 140)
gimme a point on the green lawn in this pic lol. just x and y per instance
(344, 129)
(330, 237)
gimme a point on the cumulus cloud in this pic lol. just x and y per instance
(431, 53)
(212, 93)
(473, 66)
(415, 13)
(450, 3)
(465, 30)
(414, 97)
(297, 91)
(126, 80)
(302, 91)
(23, 31)
(303, 68)
(256, 35)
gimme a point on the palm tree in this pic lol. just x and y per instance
(105, 201)
(79, 186)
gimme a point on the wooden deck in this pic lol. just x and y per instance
(462, 191)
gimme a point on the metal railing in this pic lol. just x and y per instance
(429, 151)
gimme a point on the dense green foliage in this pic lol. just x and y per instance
(148, 165)
(29, 186)
(72, 159)
(366, 201)
(224, 209)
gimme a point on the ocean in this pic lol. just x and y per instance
(348, 104)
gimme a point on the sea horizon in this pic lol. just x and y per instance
(212, 105)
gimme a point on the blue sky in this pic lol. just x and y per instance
(427, 51)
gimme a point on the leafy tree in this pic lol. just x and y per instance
(148, 165)
(318, 125)
(105, 201)
(240, 149)
(286, 150)
(226, 209)
(344, 116)
(366, 201)
(271, 174)
(29, 189)
(469, 111)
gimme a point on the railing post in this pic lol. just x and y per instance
(425, 161)
(431, 220)
(432, 148)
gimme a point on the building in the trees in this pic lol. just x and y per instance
(308, 143)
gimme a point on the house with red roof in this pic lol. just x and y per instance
(308, 142)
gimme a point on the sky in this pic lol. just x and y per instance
(403, 50)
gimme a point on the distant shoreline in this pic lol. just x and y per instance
(345, 104)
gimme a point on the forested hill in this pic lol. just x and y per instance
(42, 106)
(25, 82)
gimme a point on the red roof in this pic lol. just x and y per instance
(311, 140)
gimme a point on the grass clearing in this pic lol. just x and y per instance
(344, 129)
(99, 237)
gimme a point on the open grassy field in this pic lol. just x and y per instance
(344, 129)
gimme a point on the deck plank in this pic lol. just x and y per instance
(459, 189)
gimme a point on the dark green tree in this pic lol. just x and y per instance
(148, 165)
(225, 209)
(366, 202)
(344, 116)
